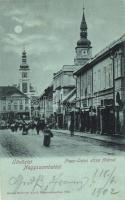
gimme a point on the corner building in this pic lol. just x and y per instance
(104, 89)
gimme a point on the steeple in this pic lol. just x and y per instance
(84, 42)
(83, 48)
(83, 26)
(24, 60)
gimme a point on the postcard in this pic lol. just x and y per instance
(62, 99)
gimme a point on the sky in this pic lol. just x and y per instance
(49, 30)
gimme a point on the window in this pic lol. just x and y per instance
(15, 107)
(26, 108)
(99, 79)
(104, 77)
(9, 107)
(24, 87)
(21, 107)
(24, 74)
(4, 108)
(21, 101)
(119, 67)
(26, 101)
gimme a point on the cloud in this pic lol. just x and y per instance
(36, 43)
(97, 22)
(61, 23)
(123, 1)
(29, 17)
(17, 19)
(29, 21)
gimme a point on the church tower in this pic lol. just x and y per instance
(83, 48)
(24, 76)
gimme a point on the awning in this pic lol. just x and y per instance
(70, 98)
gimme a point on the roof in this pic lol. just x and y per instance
(47, 92)
(10, 90)
(70, 97)
(102, 53)
(32, 88)
(65, 68)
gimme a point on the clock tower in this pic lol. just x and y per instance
(24, 79)
(83, 48)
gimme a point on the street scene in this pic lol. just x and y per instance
(62, 90)
(14, 144)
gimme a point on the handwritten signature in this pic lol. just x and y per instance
(101, 182)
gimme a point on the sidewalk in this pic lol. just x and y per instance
(117, 139)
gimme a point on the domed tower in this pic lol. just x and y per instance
(83, 48)
(24, 82)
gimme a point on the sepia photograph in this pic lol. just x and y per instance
(62, 99)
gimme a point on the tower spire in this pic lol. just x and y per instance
(24, 59)
(83, 26)
(83, 48)
(83, 31)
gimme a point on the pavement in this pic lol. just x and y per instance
(114, 139)
(14, 144)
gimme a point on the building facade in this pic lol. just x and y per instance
(13, 103)
(46, 104)
(35, 107)
(107, 87)
(63, 84)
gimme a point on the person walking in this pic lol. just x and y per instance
(72, 129)
(47, 136)
(25, 128)
(72, 123)
(92, 115)
(38, 127)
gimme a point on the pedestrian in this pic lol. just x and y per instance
(20, 126)
(16, 126)
(47, 136)
(25, 128)
(38, 127)
(12, 126)
(71, 129)
(92, 115)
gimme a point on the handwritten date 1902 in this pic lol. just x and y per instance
(99, 183)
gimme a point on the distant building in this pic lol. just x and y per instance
(13, 103)
(35, 107)
(63, 84)
(46, 104)
(24, 77)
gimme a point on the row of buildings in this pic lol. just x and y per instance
(93, 84)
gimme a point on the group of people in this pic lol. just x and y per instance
(38, 125)
(87, 121)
